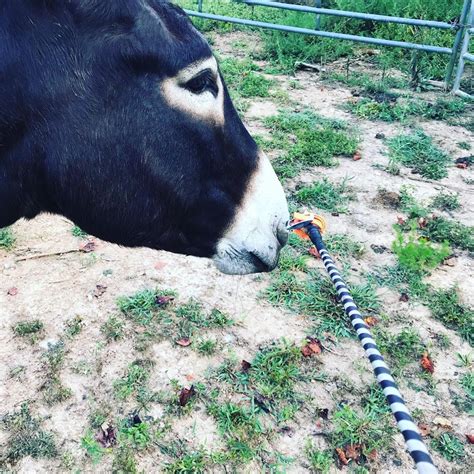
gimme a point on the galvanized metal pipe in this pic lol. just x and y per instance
(324, 34)
(357, 15)
(457, 41)
(464, 54)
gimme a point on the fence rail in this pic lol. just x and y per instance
(462, 29)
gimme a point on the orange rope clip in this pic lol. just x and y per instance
(317, 221)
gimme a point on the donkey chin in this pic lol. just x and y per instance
(253, 241)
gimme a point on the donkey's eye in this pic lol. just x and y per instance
(205, 81)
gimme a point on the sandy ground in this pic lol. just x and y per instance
(56, 288)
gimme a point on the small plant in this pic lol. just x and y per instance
(343, 246)
(124, 461)
(136, 378)
(74, 326)
(137, 436)
(449, 447)
(52, 387)
(206, 347)
(26, 437)
(78, 232)
(320, 461)
(92, 447)
(189, 462)
(417, 253)
(371, 433)
(325, 195)
(456, 234)
(140, 307)
(447, 308)
(112, 329)
(447, 201)
(417, 151)
(29, 329)
(7, 239)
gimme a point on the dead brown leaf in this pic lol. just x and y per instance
(404, 298)
(371, 321)
(185, 395)
(88, 246)
(342, 456)
(442, 422)
(372, 455)
(357, 156)
(245, 366)
(470, 438)
(353, 451)
(427, 363)
(107, 436)
(401, 220)
(184, 342)
(162, 300)
(99, 290)
(12, 291)
(312, 347)
(425, 430)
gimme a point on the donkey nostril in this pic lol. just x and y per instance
(260, 264)
(282, 235)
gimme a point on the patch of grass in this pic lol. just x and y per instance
(447, 201)
(29, 329)
(417, 151)
(135, 379)
(74, 326)
(440, 229)
(466, 402)
(410, 206)
(464, 146)
(343, 246)
(26, 437)
(78, 232)
(418, 254)
(92, 447)
(52, 388)
(7, 239)
(113, 329)
(142, 306)
(316, 298)
(325, 195)
(319, 461)
(137, 436)
(308, 140)
(446, 307)
(206, 347)
(189, 462)
(243, 79)
(372, 433)
(124, 461)
(402, 349)
(449, 447)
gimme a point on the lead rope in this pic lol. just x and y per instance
(413, 441)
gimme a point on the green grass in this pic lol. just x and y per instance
(74, 326)
(449, 447)
(315, 297)
(446, 201)
(92, 447)
(7, 239)
(446, 307)
(113, 329)
(52, 389)
(26, 437)
(441, 229)
(418, 254)
(136, 378)
(29, 329)
(78, 232)
(325, 195)
(372, 433)
(402, 109)
(417, 151)
(466, 402)
(343, 246)
(307, 140)
(319, 461)
(137, 436)
(142, 306)
(401, 349)
(206, 347)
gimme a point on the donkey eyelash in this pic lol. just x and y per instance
(205, 81)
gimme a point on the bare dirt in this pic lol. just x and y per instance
(54, 289)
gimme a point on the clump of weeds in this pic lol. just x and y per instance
(7, 239)
(52, 388)
(30, 330)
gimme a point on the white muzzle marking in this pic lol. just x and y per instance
(253, 241)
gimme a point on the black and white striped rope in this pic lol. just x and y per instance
(408, 428)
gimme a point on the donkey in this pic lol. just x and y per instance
(115, 115)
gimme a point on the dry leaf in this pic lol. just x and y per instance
(401, 220)
(425, 430)
(342, 456)
(357, 156)
(470, 438)
(245, 366)
(450, 262)
(184, 342)
(422, 222)
(185, 395)
(372, 455)
(99, 290)
(353, 451)
(404, 297)
(314, 252)
(461, 166)
(312, 347)
(88, 247)
(107, 436)
(371, 321)
(12, 291)
(442, 422)
(163, 300)
(427, 363)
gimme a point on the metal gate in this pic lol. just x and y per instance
(461, 29)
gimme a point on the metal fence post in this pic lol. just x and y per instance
(457, 42)
(317, 4)
(463, 54)
(200, 6)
